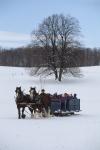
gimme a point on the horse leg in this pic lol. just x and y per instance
(36, 112)
(41, 111)
(19, 117)
(23, 110)
(49, 111)
(44, 112)
(23, 115)
(31, 110)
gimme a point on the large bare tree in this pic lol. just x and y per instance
(58, 35)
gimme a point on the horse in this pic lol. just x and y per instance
(22, 101)
(46, 103)
(35, 98)
(42, 102)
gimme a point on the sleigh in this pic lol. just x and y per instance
(64, 107)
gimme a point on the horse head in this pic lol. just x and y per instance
(32, 92)
(18, 91)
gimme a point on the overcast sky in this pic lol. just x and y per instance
(19, 17)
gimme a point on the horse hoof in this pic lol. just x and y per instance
(23, 116)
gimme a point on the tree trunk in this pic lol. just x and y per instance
(56, 75)
(60, 74)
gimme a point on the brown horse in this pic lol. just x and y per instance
(35, 99)
(46, 103)
(41, 103)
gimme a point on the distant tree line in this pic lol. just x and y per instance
(21, 57)
(35, 57)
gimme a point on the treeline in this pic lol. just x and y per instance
(21, 57)
(35, 56)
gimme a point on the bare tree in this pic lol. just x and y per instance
(57, 34)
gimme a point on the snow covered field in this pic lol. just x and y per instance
(78, 132)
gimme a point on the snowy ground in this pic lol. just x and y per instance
(78, 132)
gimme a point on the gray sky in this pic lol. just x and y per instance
(19, 17)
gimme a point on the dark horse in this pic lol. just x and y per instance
(22, 101)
